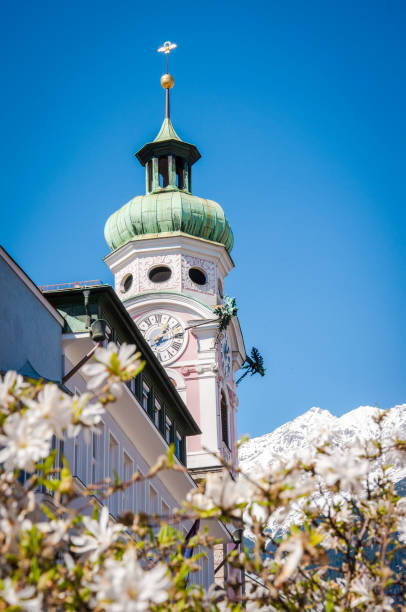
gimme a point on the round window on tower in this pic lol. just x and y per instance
(197, 276)
(126, 283)
(160, 274)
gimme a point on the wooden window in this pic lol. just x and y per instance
(157, 413)
(178, 445)
(97, 468)
(113, 500)
(165, 510)
(140, 504)
(153, 500)
(128, 470)
(145, 396)
(76, 456)
(168, 430)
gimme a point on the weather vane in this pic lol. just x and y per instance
(167, 80)
(167, 48)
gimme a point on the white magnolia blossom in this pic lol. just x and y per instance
(55, 531)
(111, 363)
(294, 548)
(25, 441)
(84, 413)
(53, 407)
(346, 468)
(402, 530)
(123, 586)
(13, 519)
(363, 589)
(319, 501)
(222, 491)
(102, 534)
(10, 386)
(20, 599)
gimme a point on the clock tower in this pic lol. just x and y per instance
(170, 256)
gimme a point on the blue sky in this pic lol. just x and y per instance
(298, 111)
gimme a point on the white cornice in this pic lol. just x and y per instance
(162, 299)
(161, 244)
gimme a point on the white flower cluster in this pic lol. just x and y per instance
(327, 525)
(98, 537)
(27, 433)
(112, 366)
(20, 599)
(124, 586)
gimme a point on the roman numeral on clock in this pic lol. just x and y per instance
(176, 345)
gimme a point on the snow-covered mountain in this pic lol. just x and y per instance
(260, 452)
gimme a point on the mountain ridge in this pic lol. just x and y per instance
(298, 434)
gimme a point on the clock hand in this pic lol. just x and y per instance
(162, 333)
(158, 341)
(174, 333)
(161, 336)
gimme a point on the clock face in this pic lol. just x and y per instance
(165, 334)
(226, 357)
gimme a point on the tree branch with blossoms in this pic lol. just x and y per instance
(324, 530)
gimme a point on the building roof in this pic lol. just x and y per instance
(167, 132)
(167, 142)
(168, 211)
(168, 205)
(30, 284)
(128, 332)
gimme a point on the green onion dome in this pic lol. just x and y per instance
(168, 205)
(168, 211)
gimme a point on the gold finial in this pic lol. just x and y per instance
(167, 81)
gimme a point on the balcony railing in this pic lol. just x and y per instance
(73, 285)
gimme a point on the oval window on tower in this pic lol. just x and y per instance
(197, 276)
(126, 283)
(160, 274)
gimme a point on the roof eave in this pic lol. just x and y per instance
(167, 147)
(191, 427)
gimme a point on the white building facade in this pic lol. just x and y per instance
(137, 428)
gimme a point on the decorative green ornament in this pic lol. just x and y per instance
(225, 312)
(253, 365)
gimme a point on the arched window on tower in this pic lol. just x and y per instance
(163, 172)
(224, 421)
(149, 176)
(180, 180)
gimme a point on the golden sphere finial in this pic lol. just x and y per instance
(167, 81)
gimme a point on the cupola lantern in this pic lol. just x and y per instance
(168, 204)
(167, 160)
